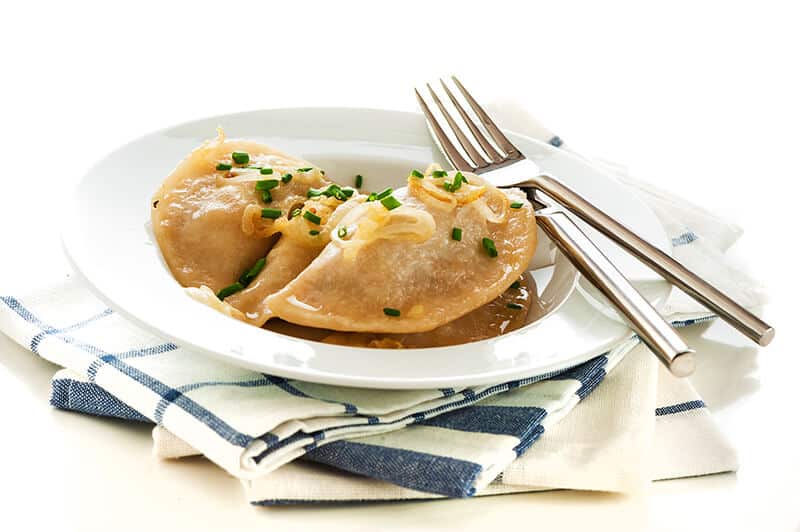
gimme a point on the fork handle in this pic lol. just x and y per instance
(703, 292)
(656, 333)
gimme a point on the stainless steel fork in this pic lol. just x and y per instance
(500, 162)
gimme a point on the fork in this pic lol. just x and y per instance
(502, 164)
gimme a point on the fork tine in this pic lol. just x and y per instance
(479, 160)
(490, 150)
(447, 147)
(491, 127)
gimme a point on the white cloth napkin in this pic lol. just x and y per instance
(250, 423)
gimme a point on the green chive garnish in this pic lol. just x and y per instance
(311, 217)
(266, 196)
(286, 178)
(272, 214)
(382, 194)
(304, 169)
(359, 180)
(515, 306)
(516, 205)
(231, 289)
(333, 190)
(248, 276)
(417, 174)
(372, 196)
(439, 173)
(488, 245)
(390, 202)
(267, 184)
(266, 171)
(222, 167)
(391, 312)
(456, 234)
(313, 232)
(515, 285)
(295, 213)
(342, 232)
(456, 184)
(240, 157)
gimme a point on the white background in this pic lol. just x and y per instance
(700, 98)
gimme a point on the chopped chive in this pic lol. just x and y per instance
(342, 232)
(295, 213)
(515, 306)
(266, 196)
(240, 157)
(488, 245)
(222, 167)
(311, 217)
(385, 192)
(515, 285)
(391, 311)
(272, 214)
(372, 196)
(516, 205)
(305, 169)
(359, 180)
(248, 276)
(313, 232)
(332, 191)
(456, 234)
(337, 192)
(439, 173)
(286, 178)
(266, 171)
(456, 184)
(417, 174)
(390, 202)
(267, 184)
(231, 289)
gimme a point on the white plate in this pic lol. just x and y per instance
(107, 242)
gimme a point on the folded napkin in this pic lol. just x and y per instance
(251, 423)
(412, 444)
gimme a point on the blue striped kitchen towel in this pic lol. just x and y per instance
(594, 448)
(251, 423)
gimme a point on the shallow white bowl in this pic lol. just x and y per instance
(105, 238)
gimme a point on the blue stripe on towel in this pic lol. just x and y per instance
(508, 420)
(589, 374)
(89, 398)
(680, 407)
(411, 469)
(685, 238)
(37, 339)
(163, 403)
(528, 440)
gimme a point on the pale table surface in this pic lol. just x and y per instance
(694, 98)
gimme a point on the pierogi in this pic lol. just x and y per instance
(258, 234)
